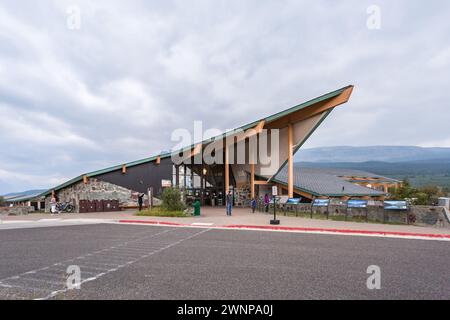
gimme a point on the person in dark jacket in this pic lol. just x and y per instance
(141, 200)
(266, 202)
(229, 203)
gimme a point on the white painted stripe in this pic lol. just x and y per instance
(104, 261)
(376, 235)
(342, 234)
(15, 221)
(53, 294)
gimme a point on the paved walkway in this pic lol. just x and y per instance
(216, 217)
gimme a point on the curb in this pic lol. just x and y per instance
(396, 234)
(345, 231)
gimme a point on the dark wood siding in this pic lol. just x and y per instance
(141, 177)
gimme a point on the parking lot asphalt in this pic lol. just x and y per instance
(153, 262)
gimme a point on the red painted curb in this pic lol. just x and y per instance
(280, 228)
(386, 233)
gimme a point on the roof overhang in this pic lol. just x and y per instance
(317, 107)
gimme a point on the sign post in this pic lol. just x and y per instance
(150, 198)
(274, 221)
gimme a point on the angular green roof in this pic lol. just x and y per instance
(324, 182)
(267, 120)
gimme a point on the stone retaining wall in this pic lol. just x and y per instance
(16, 211)
(416, 215)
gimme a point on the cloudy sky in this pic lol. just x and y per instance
(79, 97)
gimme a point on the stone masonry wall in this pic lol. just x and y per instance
(16, 210)
(242, 196)
(417, 215)
(97, 190)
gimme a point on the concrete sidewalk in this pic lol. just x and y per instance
(242, 217)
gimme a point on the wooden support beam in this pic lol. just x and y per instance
(252, 180)
(290, 161)
(85, 179)
(241, 136)
(195, 153)
(263, 182)
(300, 192)
(158, 160)
(313, 110)
(227, 170)
(259, 128)
(197, 149)
(124, 168)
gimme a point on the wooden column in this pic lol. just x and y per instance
(202, 185)
(184, 177)
(290, 162)
(252, 180)
(227, 170)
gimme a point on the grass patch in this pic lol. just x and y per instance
(159, 212)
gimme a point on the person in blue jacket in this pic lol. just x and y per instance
(253, 203)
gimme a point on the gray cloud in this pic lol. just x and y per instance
(72, 101)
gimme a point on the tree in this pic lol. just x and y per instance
(2, 201)
(431, 194)
(404, 191)
(171, 199)
(427, 195)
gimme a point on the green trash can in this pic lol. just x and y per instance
(196, 208)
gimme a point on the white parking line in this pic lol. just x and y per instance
(53, 294)
(99, 263)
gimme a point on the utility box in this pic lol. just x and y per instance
(444, 202)
(197, 208)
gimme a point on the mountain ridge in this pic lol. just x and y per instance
(372, 153)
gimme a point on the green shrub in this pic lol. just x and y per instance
(171, 199)
(2, 201)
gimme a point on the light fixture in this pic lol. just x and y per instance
(204, 171)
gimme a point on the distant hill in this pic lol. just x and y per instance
(372, 153)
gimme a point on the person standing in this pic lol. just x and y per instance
(253, 205)
(229, 203)
(266, 202)
(53, 204)
(141, 200)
